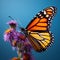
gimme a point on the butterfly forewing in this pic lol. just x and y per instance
(42, 20)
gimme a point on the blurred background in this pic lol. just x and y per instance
(23, 11)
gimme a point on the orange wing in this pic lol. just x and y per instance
(42, 20)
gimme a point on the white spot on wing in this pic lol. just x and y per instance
(47, 15)
(40, 15)
(52, 8)
(45, 12)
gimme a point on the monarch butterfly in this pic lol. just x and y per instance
(37, 30)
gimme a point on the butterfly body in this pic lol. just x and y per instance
(38, 31)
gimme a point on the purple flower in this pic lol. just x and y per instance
(6, 37)
(12, 22)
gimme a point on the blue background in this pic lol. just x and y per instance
(23, 11)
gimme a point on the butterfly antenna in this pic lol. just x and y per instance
(19, 24)
(10, 17)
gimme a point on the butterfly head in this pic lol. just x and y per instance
(24, 30)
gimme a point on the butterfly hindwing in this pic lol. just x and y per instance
(43, 39)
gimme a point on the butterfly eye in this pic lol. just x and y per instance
(22, 29)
